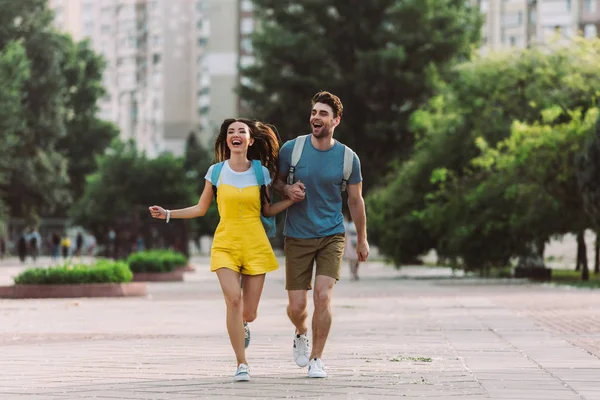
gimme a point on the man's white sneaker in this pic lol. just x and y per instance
(242, 374)
(301, 350)
(316, 369)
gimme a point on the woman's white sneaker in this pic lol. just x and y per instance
(301, 350)
(242, 374)
(316, 369)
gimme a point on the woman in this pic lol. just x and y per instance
(240, 246)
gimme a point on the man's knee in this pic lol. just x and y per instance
(297, 307)
(322, 298)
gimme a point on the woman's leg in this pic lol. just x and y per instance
(252, 286)
(230, 284)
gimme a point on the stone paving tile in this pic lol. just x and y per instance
(392, 337)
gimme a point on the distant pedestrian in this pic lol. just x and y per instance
(65, 245)
(55, 242)
(78, 244)
(22, 248)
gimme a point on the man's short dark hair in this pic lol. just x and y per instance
(331, 100)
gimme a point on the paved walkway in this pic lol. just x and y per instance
(403, 334)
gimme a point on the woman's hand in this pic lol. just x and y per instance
(158, 212)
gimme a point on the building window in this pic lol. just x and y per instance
(155, 59)
(590, 31)
(246, 45)
(590, 6)
(568, 5)
(247, 5)
(247, 26)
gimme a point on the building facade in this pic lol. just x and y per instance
(172, 65)
(524, 23)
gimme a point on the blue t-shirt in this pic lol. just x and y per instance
(322, 172)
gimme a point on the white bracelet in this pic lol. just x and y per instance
(168, 215)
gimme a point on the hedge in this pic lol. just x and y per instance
(156, 261)
(103, 271)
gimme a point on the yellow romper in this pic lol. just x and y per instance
(240, 242)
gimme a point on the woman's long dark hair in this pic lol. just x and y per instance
(265, 147)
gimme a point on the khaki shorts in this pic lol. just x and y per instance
(300, 255)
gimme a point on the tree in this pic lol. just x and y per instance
(14, 72)
(118, 195)
(380, 56)
(86, 135)
(464, 210)
(197, 160)
(37, 178)
(544, 154)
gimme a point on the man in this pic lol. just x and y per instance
(314, 228)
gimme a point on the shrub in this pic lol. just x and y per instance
(156, 261)
(103, 271)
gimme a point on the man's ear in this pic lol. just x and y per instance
(337, 120)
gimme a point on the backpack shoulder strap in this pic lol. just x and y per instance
(216, 172)
(348, 162)
(214, 176)
(258, 172)
(296, 154)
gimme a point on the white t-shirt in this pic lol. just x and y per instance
(239, 180)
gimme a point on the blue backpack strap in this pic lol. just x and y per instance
(258, 172)
(268, 222)
(214, 176)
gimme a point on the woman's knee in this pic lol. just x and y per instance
(233, 300)
(250, 316)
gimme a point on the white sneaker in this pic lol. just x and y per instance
(316, 369)
(301, 350)
(242, 374)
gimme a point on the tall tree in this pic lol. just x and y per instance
(86, 136)
(441, 200)
(14, 72)
(380, 56)
(37, 176)
(197, 160)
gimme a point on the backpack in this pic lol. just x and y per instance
(297, 153)
(268, 222)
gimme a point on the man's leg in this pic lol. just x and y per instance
(329, 264)
(296, 310)
(299, 261)
(321, 321)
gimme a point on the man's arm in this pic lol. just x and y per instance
(356, 205)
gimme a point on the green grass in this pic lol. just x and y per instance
(573, 278)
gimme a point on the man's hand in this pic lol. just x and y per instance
(362, 250)
(295, 192)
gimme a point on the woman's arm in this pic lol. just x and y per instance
(199, 210)
(270, 210)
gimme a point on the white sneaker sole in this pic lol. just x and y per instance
(301, 361)
(241, 378)
(317, 375)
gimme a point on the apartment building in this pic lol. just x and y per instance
(523, 23)
(172, 65)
